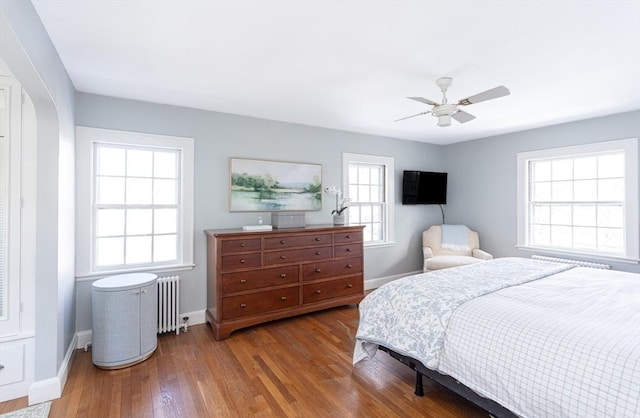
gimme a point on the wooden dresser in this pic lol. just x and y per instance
(255, 277)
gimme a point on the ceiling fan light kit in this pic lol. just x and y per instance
(445, 111)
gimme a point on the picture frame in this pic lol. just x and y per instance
(274, 186)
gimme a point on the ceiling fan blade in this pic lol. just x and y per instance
(413, 116)
(493, 93)
(423, 100)
(462, 116)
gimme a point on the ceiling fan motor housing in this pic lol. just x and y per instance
(444, 110)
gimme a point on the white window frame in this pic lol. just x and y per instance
(389, 191)
(632, 235)
(86, 138)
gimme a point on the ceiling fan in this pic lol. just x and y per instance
(445, 111)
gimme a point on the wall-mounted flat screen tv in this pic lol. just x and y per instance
(424, 188)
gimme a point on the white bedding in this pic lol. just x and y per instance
(567, 345)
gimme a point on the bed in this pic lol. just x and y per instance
(518, 337)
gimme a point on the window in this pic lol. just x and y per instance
(135, 201)
(368, 181)
(10, 195)
(581, 199)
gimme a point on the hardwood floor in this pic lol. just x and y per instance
(297, 367)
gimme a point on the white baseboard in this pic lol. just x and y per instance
(84, 339)
(379, 281)
(48, 389)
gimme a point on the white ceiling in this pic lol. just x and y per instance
(350, 65)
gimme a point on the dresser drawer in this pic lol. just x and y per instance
(256, 279)
(295, 256)
(345, 237)
(348, 250)
(239, 261)
(297, 241)
(333, 268)
(316, 292)
(258, 303)
(240, 245)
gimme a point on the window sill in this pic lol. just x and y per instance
(158, 270)
(380, 245)
(589, 256)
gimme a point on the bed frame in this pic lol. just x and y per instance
(492, 407)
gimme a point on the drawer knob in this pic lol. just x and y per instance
(282, 241)
(349, 266)
(283, 275)
(243, 305)
(243, 281)
(318, 270)
(318, 291)
(317, 252)
(242, 244)
(242, 261)
(317, 238)
(283, 298)
(282, 257)
(348, 250)
(349, 286)
(348, 236)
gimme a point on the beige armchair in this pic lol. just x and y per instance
(436, 257)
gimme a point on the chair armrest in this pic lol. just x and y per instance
(478, 253)
(427, 252)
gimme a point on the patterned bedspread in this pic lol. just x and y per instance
(410, 315)
(564, 342)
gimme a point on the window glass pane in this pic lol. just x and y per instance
(561, 170)
(139, 163)
(109, 190)
(365, 214)
(376, 231)
(610, 190)
(363, 174)
(562, 191)
(561, 215)
(584, 215)
(353, 193)
(165, 248)
(354, 214)
(164, 164)
(541, 235)
(110, 222)
(109, 251)
(165, 221)
(541, 171)
(585, 168)
(376, 215)
(561, 236)
(363, 194)
(367, 233)
(584, 237)
(110, 161)
(541, 214)
(138, 250)
(164, 192)
(611, 165)
(139, 191)
(610, 216)
(585, 190)
(610, 239)
(541, 192)
(139, 221)
(353, 174)
(375, 194)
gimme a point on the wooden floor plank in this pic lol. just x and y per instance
(296, 367)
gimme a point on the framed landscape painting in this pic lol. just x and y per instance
(262, 185)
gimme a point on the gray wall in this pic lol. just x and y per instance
(220, 136)
(482, 175)
(31, 57)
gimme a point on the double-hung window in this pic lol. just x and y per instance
(135, 201)
(581, 199)
(368, 181)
